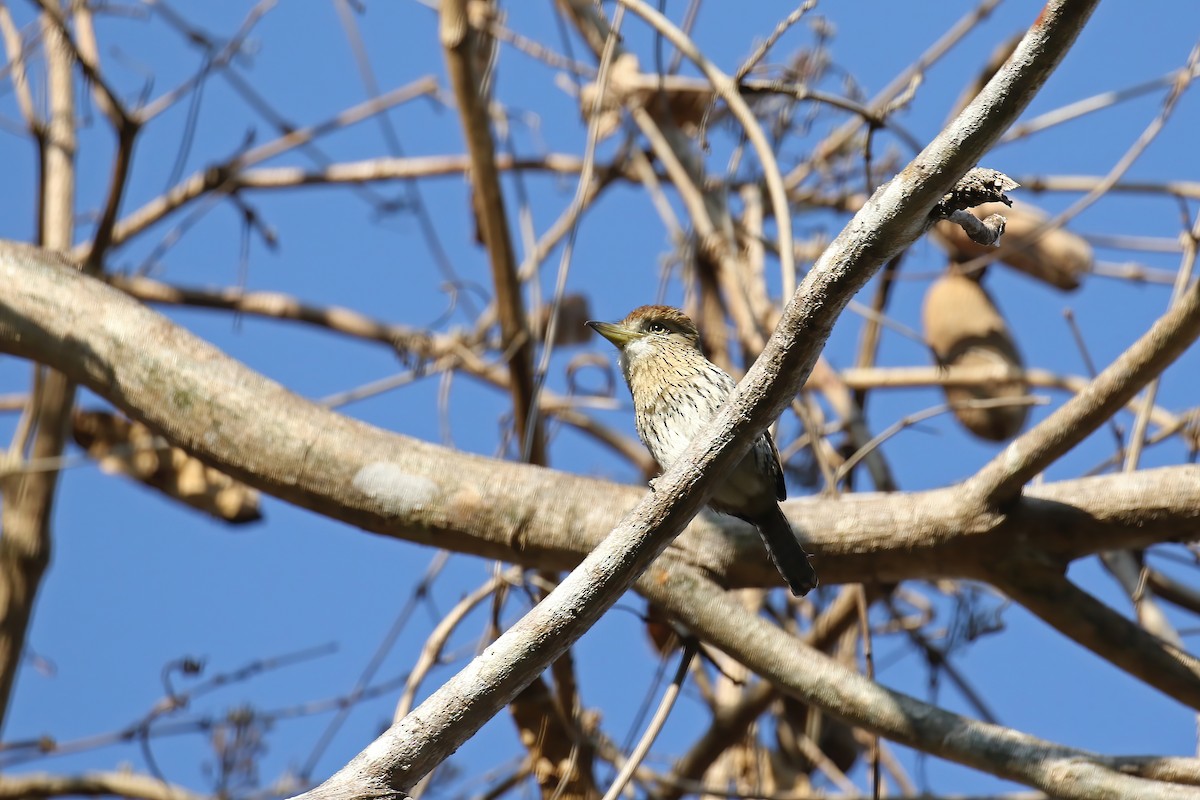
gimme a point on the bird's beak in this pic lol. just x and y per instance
(619, 335)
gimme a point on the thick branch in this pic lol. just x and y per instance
(898, 212)
(254, 429)
(239, 413)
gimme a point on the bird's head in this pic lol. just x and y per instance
(649, 330)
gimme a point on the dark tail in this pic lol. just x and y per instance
(785, 551)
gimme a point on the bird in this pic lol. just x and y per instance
(676, 392)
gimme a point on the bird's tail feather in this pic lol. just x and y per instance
(785, 551)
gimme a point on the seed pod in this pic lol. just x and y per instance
(573, 312)
(125, 447)
(833, 737)
(1059, 258)
(964, 328)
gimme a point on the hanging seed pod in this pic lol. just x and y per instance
(573, 312)
(834, 738)
(964, 329)
(124, 447)
(1059, 257)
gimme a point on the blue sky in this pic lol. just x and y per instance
(137, 583)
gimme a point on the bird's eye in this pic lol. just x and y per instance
(657, 327)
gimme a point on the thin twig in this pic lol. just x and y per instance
(656, 724)
(781, 28)
(217, 178)
(436, 641)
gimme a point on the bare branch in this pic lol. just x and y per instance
(1097, 627)
(303, 453)
(812, 677)
(215, 178)
(92, 784)
(461, 42)
(17, 62)
(1001, 480)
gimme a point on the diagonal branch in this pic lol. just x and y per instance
(806, 674)
(462, 43)
(1000, 480)
(1081, 617)
(308, 457)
